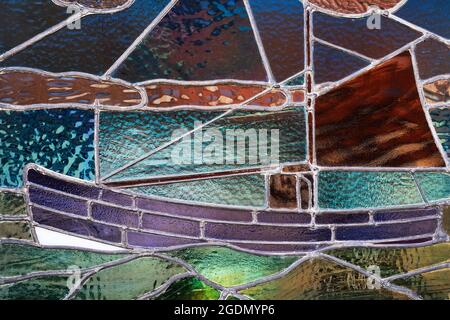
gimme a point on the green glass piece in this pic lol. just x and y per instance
(434, 285)
(128, 281)
(44, 288)
(351, 190)
(246, 190)
(394, 261)
(435, 185)
(12, 204)
(319, 279)
(189, 289)
(20, 259)
(15, 230)
(230, 267)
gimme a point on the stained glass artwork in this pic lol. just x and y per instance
(224, 150)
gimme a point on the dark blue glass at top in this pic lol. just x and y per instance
(198, 40)
(280, 24)
(94, 47)
(432, 15)
(354, 34)
(331, 64)
(23, 19)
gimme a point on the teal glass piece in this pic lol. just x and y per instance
(208, 149)
(441, 122)
(58, 139)
(243, 190)
(351, 190)
(126, 136)
(296, 81)
(435, 185)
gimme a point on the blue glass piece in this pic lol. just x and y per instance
(432, 15)
(331, 64)
(280, 25)
(198, 40)
(242, 190)
(94, 47)
(23, 19)
(61, 140)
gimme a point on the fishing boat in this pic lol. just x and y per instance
(104, 213)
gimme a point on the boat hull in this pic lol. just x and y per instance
(129, 221)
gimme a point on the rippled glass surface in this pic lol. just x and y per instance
(349, 190)
(198, 40)
(61, 140)
(39, 15)
(127, 136)
(244, 190)
(224, 150)
(333, 65)
(95, 46)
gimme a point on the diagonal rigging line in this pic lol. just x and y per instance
(259, 43)
(167, 144)
(141, 37)
(44, 34)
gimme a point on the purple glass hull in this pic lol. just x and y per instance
(131, 221)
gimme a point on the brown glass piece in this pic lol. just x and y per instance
(437, 91)
(283, 191)
(297, 95)
(354, 6)
(172, 95)
(296, 168)
(306, 191)
(30, 88)
(376, 119)
(433, 58)
(27, 88)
